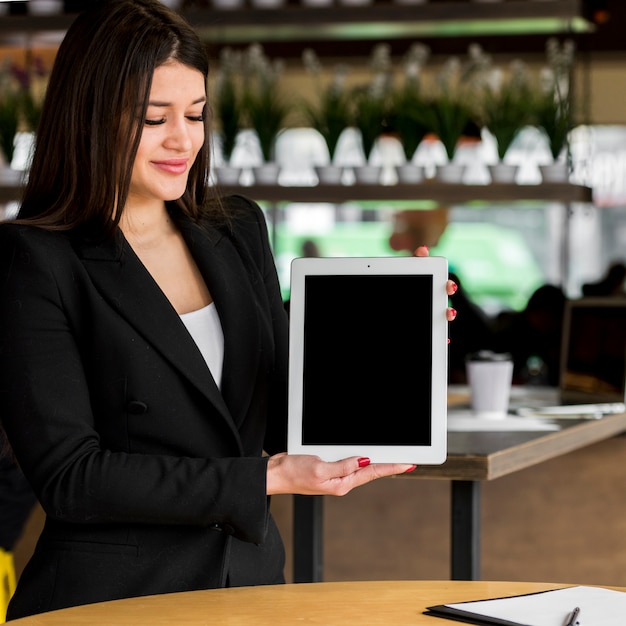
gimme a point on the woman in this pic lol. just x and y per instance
(143, 339)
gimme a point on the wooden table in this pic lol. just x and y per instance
(385, 603)
(473, 457)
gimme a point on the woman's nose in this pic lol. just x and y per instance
(178, 137)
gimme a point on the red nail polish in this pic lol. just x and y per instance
(364, 461)
(448, 339)
(455, 287)
(410, 469)
(454, 312)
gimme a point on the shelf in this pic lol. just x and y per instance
(444, 193)
(380, 20)
(390, 21)
(20, 30)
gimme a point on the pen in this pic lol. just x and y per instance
(572, 619)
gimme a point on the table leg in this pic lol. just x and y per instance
(465, 530)
(308, 545)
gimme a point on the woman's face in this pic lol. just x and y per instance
(172, 135)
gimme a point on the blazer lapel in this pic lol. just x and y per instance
(227, 279)
(129, 288)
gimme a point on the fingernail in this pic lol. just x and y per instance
(410, 469)
(364, 461)
(425, 247)
(454, 287)
(453, 311)
(448, 339)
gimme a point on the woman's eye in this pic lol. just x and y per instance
(155, 122)
(196, 118)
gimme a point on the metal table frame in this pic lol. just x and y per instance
(472, 458)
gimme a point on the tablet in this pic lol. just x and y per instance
(368, 359)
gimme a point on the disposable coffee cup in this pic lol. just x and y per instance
(489, 376)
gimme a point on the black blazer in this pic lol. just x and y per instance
(152, 479)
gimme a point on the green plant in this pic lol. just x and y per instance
(452, 103)
(9, 110)
(448, 117)
(21, 95)
(506, 105)
(370, 101)
(551, 107)
(9, 121)
(30, 84)
(332, 113)
(408, 117)
(31, 110)
(553, 116)
(264, 105)
(369, 118)
(228, 101)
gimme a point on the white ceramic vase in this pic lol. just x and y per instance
(409, 173)
(503, 172)
(450, 173)
(267, 4)
(329, 174)
(45, 7)
(317, 3)
(266, 174)
(557, 172)
(227, 174)
(10, 176)
(368, 174)
(227, 5)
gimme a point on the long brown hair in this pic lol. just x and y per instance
(93, 113)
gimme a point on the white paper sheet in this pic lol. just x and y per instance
(598, 607)
(466, 421)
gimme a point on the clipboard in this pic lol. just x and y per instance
(599, 606)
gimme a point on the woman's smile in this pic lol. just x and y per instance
(172, 166)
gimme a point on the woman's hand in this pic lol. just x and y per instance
(451, 286)
(308, 475)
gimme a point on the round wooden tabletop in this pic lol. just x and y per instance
(371, 603)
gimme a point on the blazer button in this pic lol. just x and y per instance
(134, 407)
(222, 528)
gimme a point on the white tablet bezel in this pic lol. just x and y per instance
(437, 267)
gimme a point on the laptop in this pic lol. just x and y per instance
(593, 351)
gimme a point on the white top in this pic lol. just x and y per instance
(205, 329)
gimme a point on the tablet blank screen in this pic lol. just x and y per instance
(367, 360)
